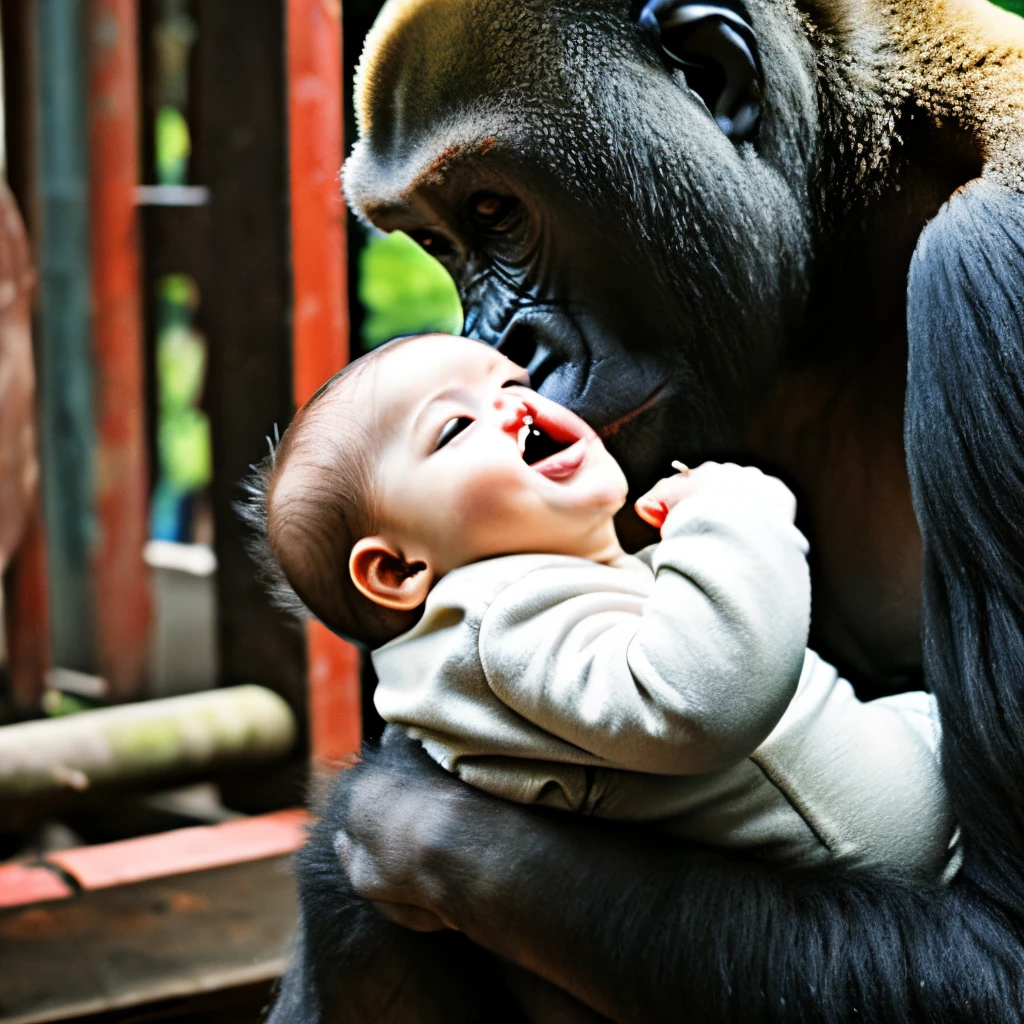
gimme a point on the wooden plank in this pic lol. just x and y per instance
(320, 344)
(241, 134)
(176, 241)
(121, 579)
(132, 945)
(24, 884)
(244, 1004)
(182, 851)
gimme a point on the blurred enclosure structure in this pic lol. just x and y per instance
(176, 263)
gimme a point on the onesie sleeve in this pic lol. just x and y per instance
(687, 680)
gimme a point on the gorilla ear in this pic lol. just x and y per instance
(714, 45)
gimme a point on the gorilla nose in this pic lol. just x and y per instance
(526, 341)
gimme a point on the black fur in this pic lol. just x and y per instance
(690, 935)
(351, 964)
(965, 445)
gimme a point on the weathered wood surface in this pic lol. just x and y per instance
(135, 944)
(246, 1004)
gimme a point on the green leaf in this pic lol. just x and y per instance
(405, 291)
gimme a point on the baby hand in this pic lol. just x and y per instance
(734, 483)
(654, 506)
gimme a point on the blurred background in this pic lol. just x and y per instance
(178, 272)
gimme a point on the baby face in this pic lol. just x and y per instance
(474, 464)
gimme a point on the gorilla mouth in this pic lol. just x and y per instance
(616, 425)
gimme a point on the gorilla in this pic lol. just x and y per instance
(788, 232)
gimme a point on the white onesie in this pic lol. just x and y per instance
(672, 687)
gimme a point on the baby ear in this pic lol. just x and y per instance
(380, 573)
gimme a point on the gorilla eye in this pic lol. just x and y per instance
(430, 241)
(490, 212)
(714, 46)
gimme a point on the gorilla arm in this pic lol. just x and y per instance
(647, 931)
(642, 932)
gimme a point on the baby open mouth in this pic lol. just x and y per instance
(536, 444)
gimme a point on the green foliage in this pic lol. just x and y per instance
(173, 146)
(405, 291)
(57, 704)
(1016, 6)
(183, 430)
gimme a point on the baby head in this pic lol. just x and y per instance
(426, 455)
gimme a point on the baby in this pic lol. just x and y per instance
(426, 503)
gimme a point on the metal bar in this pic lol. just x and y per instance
(320, 308)
(121, 579)
(67, 422)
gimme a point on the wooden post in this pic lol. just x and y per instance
(66, 401)
(243, 311)
(121, 582)
(320, 308)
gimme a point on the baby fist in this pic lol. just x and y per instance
(732, 482)
(654, 506)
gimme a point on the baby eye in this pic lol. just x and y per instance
(452, 429)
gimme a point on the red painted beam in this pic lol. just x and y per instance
(24, 884)
(183, 851)
(27, 615)
(120, 576)
(320, 340)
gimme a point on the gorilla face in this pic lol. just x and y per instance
(624, 206)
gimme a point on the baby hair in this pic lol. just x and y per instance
(311, 499)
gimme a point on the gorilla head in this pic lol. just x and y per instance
(603, 229)
(692, 222)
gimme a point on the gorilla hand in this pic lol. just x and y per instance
(396, 818)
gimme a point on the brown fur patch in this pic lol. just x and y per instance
(437, 170)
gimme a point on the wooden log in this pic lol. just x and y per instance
(146, 742)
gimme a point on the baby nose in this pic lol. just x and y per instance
(511, 412)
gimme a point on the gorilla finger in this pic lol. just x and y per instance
(412, 917)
